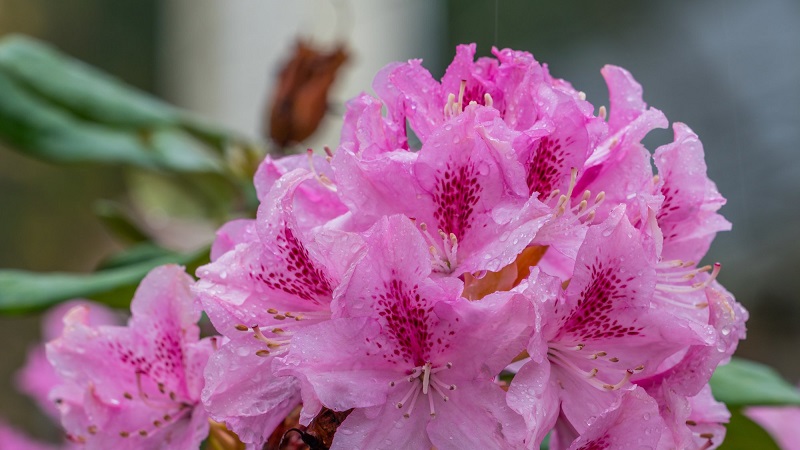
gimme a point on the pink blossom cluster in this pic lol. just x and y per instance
(522, 273)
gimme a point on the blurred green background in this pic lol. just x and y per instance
(729, 69)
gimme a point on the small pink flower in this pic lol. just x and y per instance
(137, 386)
(38, 377)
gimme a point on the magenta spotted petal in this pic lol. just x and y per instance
(688, 215)
(464, 189)
(599, 334)
(136, 386)
(410, 352)
(258, 294)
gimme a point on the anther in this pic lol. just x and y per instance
(241, 327)
(602, 113)
(323, 180)
(487, 100)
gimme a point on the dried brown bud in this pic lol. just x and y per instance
(301, 94)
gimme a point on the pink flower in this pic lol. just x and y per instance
(598, 335)
(271, 277)
(416, 361)
(464, 189)
(38, 377)
(136, 386)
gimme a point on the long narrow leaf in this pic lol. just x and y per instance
(743, 383)
(23, 291)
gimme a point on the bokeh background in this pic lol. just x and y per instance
(729, 69)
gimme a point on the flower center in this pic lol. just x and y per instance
(423, 380)
(454, 106)
(446, 258)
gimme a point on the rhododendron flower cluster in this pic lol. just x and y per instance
(524, 272)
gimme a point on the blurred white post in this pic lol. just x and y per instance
(220, 58)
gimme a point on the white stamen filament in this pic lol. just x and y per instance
(674, 263)
(447, 259)
(455, 107)
(670, 301)
(557, 356)
(694, 287)
(426, 378)
(323, 180)
(414, 385)
(170, 401)
(461, 90)
(408, 412)
(423, 380)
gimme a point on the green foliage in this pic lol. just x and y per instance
(114, 284)
(744, 434)
(748, 383)
(60, 110)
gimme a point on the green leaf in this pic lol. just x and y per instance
(79, 88)
(58, 109)
(743, 382)
(744, 434)
(22, 291)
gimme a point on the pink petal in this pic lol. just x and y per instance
(231, 234)
(334, 357)
(477, 418)
(381, 428)
(410, 93)
(634, 423)
(241, 391)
